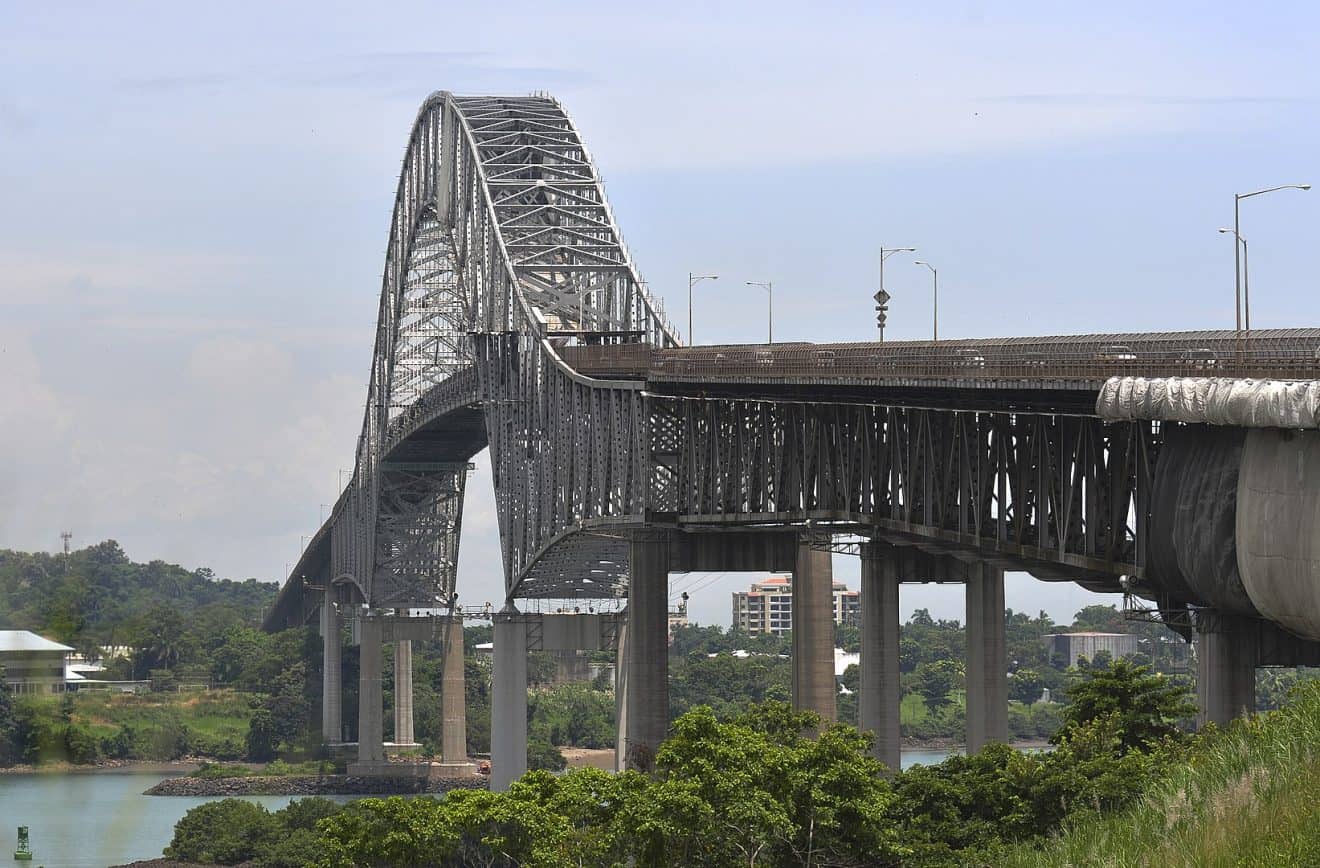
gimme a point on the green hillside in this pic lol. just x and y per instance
(1248, 796)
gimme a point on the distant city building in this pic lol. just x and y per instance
(32, 664)
(1070, 647)
(767, 607)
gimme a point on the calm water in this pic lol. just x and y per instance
(94, 820)
(100, 819)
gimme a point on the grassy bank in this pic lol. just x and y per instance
(91, 727)
(1249, 796)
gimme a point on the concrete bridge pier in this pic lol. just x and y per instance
(987, 658)
(880, 695)
(371, 709)
(1227, 653)
(453, 698)
(403, 693)
(508, 711)
(814, 684)
(646, 662)
(332, 674)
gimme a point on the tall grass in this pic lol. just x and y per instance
(1248, 796)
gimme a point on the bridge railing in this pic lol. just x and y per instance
(1088, 359)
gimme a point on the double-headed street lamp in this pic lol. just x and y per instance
(693, 280)
(770, 311)
(935, 298)
(882, 297)
(1238, 256)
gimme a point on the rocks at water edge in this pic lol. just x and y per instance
(313, 785)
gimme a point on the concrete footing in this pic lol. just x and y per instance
(332, 674)
(987, 658)
(646, 684)
(814, 685)
(880, 694)
(508, 713)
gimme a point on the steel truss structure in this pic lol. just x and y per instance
(1060, 496)
(512, 316)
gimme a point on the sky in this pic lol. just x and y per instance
(195, 199)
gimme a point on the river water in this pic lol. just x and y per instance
(95, 819)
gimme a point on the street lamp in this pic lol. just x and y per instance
(693, 280)
(1237, 228)
(770, 320)
(935, 275)
(1246, 278)
(885, 253)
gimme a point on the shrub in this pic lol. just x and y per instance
(541, 754)
(226, 832)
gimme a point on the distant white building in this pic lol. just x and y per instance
(1073, 646)
(32, 664)
(767, 607)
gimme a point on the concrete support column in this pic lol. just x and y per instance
(1226, 656)
(987, 658)
(814, 686)
(508, 713)
(453, 698)
(880, 696)
(332, 674)
(371, 709)
(647, 659)
(403, 692)
(620, 700)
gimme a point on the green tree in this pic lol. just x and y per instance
(935, 681)
(1025, 685)
(1147, 707)
(226, 832)
(262, 739)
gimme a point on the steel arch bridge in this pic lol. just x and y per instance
(502, 247)
(512, 317)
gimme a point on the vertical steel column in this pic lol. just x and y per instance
(814, 685)
(453, 700)
(1226, 655)
(881, 696)
(332, 674)
(647, 660)
(371, 711)
(987, 658)
(403, 692)
(508, 713)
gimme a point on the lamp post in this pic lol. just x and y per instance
(1246, 278)
(1238, 293)
(693, 280)
(885, 253)
(769, 287)
(935, 322)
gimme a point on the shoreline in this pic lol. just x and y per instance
(183, 767)
(315, 785)
(576, 757)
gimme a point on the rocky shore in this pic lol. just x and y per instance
(313, 785)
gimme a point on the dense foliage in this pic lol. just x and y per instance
(1244, 796)
(748, 789)
(96, 596)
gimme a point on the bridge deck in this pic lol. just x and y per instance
(1061, 362)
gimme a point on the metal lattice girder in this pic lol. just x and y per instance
(1046, 489)
(418, 521)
